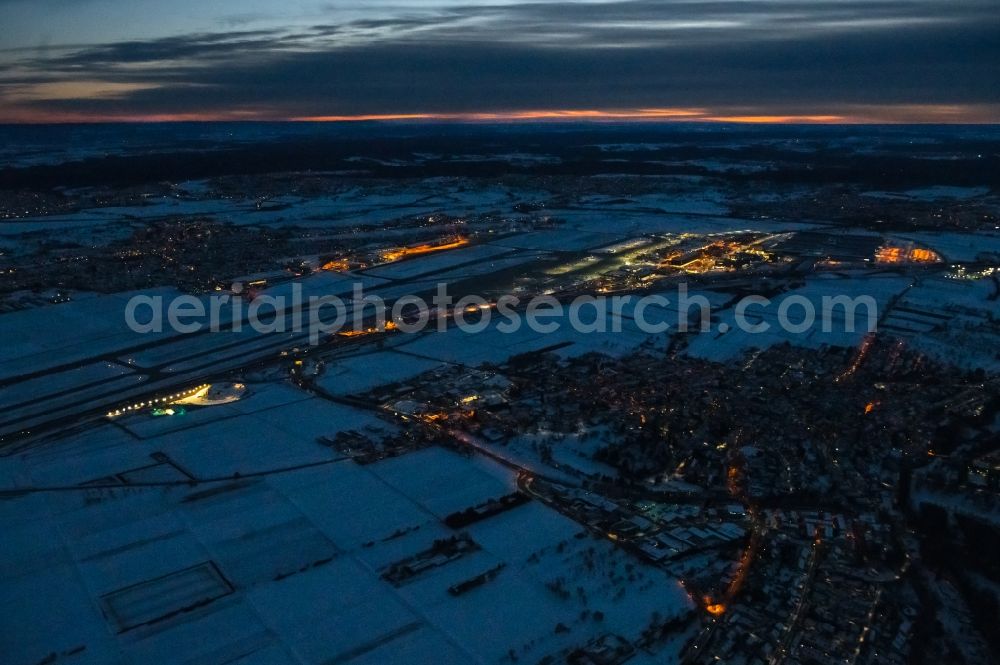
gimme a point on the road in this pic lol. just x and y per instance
(785, 644)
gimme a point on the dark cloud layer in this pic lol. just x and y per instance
(778, 56)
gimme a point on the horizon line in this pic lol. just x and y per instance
(874, 115)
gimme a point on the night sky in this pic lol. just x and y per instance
(755, 60)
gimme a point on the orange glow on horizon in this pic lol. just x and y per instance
(894, 114)
(592, 114)
(514, 116)
(385, 117)
(780, 119)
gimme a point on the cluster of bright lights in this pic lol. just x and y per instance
(890, 254)
(402, 252)
(158, 400)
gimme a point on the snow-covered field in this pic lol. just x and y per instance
(734, 342)
(935, 193)
(952, 321)
(36, 339)
(628, 222)
(957, 246)
(276, 553)
(359, 374)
